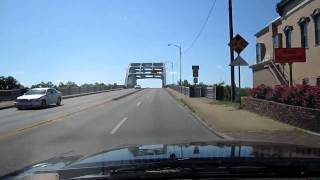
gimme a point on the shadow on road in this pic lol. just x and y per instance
(39, 108)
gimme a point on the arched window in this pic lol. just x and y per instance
(316, 19)
(303, 23)
(288, 33)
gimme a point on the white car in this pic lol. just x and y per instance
(39, 97)
(137, 87)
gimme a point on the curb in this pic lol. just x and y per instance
(193, 112)
(7, 107)
(125, 95)
(70, 96)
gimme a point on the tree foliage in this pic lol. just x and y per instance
(185, 83)
(43, 84)
(67, 84)
(8, 83)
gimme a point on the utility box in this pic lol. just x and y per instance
(219, 93)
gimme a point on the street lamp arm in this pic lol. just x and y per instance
(174, 45)
(179, 59)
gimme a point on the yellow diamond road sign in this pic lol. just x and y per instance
(238, 43)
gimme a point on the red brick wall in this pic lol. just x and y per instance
(302, 117)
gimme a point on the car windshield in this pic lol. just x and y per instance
(36, 91)
(86, 76)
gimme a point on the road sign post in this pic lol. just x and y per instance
(239, 61)
(290, 69)
(238, 44)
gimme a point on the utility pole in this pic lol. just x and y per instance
(180, 66)
(172, 73)
(233, 91)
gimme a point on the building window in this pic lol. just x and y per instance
(303, 23)
(277, 41)
(260, 52)
(305, 81)
(288, 33)
(316, 19)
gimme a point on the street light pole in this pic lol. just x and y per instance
(172, 73)
(180, 82)
(171, 70)
(180, 65)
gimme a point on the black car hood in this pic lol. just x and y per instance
(159, 152)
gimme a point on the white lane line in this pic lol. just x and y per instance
(114, 130)
(139, 103)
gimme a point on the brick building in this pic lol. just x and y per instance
(298, 25)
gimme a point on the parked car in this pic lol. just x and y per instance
(137, 87)
(39, 98)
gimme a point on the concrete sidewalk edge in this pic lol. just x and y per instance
(7, 107)
(193, 112)
(70, 96)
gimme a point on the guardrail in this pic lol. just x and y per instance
(9, 95)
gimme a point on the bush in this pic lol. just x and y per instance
(299, 95)
(262, 92)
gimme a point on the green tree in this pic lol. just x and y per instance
(67, 84)
(43, 84)
(201, 84)
(7, 83)
(86, 85)
(185, 83)
(219, 84)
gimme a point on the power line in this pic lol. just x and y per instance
(202, 28)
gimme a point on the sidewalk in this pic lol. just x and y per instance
(234, 123)
(6, 104)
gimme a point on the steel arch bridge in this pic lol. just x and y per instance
(145, 71)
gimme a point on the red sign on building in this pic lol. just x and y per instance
(290, 55)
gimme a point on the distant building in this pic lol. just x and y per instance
(297, 26)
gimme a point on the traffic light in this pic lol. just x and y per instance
(195, 73)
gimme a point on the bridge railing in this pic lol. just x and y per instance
(9, 95)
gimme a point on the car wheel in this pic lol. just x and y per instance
(43, 104)
(19, 108)
(58, 101)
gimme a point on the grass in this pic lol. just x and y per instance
(235, 105)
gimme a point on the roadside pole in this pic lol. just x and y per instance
(231, 52)
(290, 69)
(239, 77)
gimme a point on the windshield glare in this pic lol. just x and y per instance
(36, 91)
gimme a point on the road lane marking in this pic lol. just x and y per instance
(139, 103)
(114, 130)
(48, 121)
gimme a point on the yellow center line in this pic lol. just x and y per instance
(48, 121)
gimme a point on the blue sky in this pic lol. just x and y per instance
(89, 41)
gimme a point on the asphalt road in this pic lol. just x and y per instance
(90, 124)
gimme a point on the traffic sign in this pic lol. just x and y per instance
(238, 43)
(195, 67)
(195, 80)
(290, 55)
(239, 61)
(195, 71)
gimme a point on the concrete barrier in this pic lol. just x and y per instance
(9, 95)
